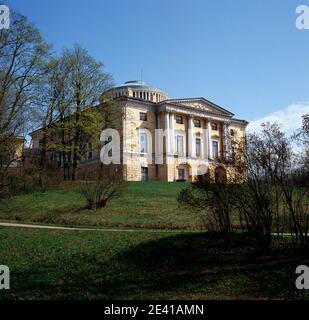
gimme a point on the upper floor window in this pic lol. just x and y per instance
(179, 145)
(179, 119)
(198, 147)
(143, 142)
(232, 132)
(214, 126)
(197, 123)
(143, 116)
(215, 149)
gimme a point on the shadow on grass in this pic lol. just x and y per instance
(185, 266)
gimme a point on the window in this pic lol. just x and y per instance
(197, 123)
(214, 126)
(144, 173)
(143, 116)
(198, 147)
(181, 174)
(232, 132)
(179, 145)
(133, 94)
(179, 119)
(215, 149)
(143, 143)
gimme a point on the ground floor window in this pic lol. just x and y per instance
(181, 174)
(144, 174)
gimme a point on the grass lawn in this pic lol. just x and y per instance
(142, 205)
(50, 264)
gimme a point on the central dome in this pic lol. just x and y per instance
(136, 89)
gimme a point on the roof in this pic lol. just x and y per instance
(200, 99)
(134, 84)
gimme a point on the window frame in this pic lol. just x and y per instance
(145, 147)
(177, 119)
(198, 151)
(195, 121)
(182, 153)
(215, 156)
(143, 116)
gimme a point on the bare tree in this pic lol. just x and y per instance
(87, 81)
(22, 55)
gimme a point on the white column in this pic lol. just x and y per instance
(167, 132)
(209, 140)
(205, 142)
(226, 142)
(190, 137)
(159, 138)
(172, 133)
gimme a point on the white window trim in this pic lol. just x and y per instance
(219, 148)
(149, 141)
(183, 135)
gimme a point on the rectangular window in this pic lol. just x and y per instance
(197, 123)
(215, 149)
(198, 147)
(179, 119)
(179, 145)
(143, 116)
(181, 174)
(144, 173)
(214, 126)
(143, 143)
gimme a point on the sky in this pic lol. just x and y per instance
(246, 56)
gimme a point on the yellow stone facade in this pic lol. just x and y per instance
(197, 126)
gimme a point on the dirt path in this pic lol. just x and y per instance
(35, 226)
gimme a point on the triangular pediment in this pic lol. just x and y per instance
(200, 104)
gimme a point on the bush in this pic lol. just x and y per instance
(106, 187)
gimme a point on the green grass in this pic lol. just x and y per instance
(142, 205)
(50, 264)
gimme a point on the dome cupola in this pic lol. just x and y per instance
(136, 89)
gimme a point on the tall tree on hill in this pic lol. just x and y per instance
(22, 54)
(86, 82)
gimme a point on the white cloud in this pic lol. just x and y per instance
(289, 118)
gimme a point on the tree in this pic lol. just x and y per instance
(86, 82)
(22, 55)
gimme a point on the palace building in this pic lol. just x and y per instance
(197, 135)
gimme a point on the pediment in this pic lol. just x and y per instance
(201, 104)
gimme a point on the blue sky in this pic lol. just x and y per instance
(245, 55)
